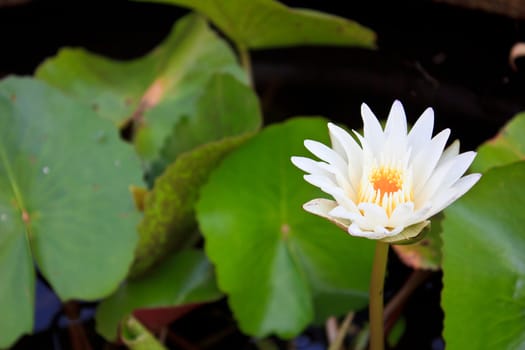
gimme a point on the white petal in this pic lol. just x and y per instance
(341, 179)
(319, 181)
(396, 123)
(394, 231)
(395, 150)
(372, 130)
(426, 160)
(374, 215)
(420, 215)
(401, 214)
(465, 183)
(446, 175)
(338, 147)
(321, 207)
(446, 198)
(369, 159)
(381, 231)
(368, 156)
(395, 145)
(443, 200)
(450, 152)
(325, 153)
(367, 151)
(309, 165)
(356, 231)
(421, 132)
(344, 213)
(378, 232)
(345, 139)
(342, 199)
(433, 184)
(354, 153)
(446, 162)
(330, 188)
(461, 164)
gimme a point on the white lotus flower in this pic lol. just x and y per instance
(386, 186)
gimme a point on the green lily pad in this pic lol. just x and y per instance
(226, 108)
(426, 253)
(169, 215)
(64, 201)
(152, 92)
(507, 147)
(263, 24)
(280, 266)
(483, 263)
(184, 278)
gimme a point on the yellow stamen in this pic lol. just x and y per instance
(386, 180)
(387, 187)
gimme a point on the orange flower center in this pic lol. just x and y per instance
(386, 180)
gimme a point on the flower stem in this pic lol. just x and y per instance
(376, 296)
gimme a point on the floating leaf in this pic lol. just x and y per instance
(425, 254)
(153, 92)
(184, 278)
(169, 215)
(483, 263)
(507, 147)
(263, 24)
(297, 265)
(64, 201)
(226, 108)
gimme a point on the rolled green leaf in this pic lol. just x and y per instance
(137, 337)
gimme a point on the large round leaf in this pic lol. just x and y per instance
(506, 147)
(226, 108)
(184, 278)
(484, 264)
(64, 201)
(278, 264)
(262, 24)
(154, 91)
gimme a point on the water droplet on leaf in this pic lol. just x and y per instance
(45, 170)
